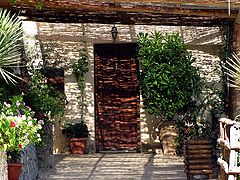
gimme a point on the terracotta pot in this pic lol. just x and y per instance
(167, 136)
(78, 145)
(14, 170)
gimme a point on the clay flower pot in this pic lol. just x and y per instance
(14, 170)
(78, 145)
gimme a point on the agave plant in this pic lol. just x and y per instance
(10, 45)
(232, 70)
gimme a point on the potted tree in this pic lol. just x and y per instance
(168, 81)
(78, 134)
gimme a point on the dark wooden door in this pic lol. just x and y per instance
(116, 97)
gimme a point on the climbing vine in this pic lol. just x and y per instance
(80, 68)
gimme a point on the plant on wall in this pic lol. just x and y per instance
(80, 68)
(43, 98)
(168, 81)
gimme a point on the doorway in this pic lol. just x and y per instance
(117, 117)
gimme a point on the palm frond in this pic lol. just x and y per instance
(10, 44)
(232, 70)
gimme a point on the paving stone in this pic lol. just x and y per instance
(124, 166)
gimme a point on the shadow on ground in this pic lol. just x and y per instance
(117, 166)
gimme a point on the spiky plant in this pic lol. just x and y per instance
(10, 44)
(232, 70)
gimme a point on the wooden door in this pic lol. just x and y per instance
(117, 119)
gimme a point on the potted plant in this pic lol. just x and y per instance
(78, 134)
(18, 128)
(168, 81)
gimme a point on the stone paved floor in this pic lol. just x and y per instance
(123, 166)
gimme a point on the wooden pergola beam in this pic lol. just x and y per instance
(124, 18)
(137, 6)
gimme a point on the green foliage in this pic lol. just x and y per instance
(39, 5)
(194, 124)
(44, 98)
(78, 130)
(18, 127)
(10, 45)
(80, 68)
(232, 70)
(168, 81)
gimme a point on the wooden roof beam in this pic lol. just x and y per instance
(144, 6)
(123, 18)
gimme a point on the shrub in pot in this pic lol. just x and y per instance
(78, 134)
(169, 82)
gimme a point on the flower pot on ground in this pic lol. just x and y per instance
(167, 136)
(78, 134)
(18, 128)
(14, 170)
(78, 145)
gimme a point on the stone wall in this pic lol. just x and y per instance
(3, 166)
(30, 164)
(61, 44)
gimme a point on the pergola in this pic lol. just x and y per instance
(137, 12)
(149, 12)
(155, 12)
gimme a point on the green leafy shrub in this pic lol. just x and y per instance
(78, 130)
(168, 81)
(44, 98)
(80, 68)
(10, 45)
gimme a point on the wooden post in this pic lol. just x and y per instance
(229, 149)
(233, 94)
(233, 153)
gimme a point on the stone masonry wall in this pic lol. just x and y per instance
(30, 164)
(3, 166)
(61, 44)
